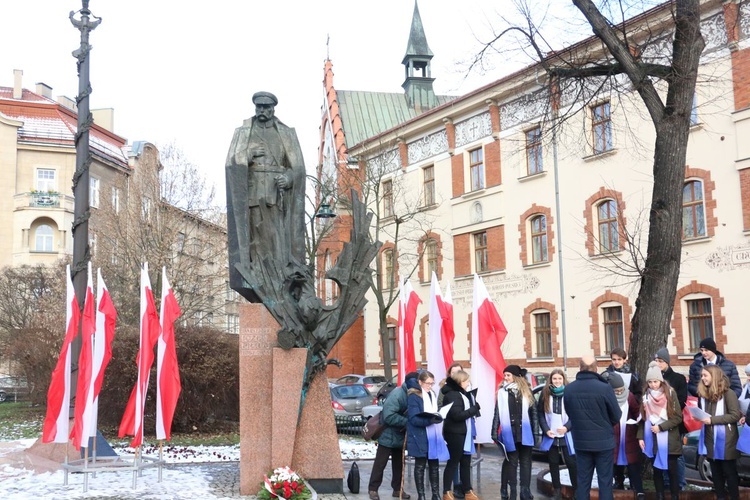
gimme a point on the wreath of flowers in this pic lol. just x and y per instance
(285, 484)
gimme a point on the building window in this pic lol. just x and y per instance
(430, 258)
(116, 200)
(181, 242)
(609, 235)
(92, 243)
(476, 168)
(429, 185)
(43, 238)
(543, 330)
(388, 199)
(601, 125)
(481, 261)
(233, 323)
(693, 211)
(539, 239)
(392, 343)
(388, 266)
(534, 151)
(45, 180)
(700, 321)
(93, 192)
(613, 328)
(146, 207)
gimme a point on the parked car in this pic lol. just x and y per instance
(700, 463)
(13, 389)
(373, 383)
(386, 389)
(348, 401)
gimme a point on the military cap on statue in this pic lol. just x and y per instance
(265, 98)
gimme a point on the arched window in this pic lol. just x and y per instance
(43, 238)
(693, 210)
(431, 257)
(609, 236)
(539, 239)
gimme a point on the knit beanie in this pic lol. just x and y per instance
(616, 381)
(663, 353)
(708, 344)
(654, 372)
(515, 370)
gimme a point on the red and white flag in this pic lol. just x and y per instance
(408, 300)
(441, 334)
(168, 385)
(85, 385)
(132, 420)
(57, 420)
(106, 317)
(487, 363)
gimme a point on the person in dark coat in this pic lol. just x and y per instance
(709, 355)
(627, 452)
(678, 383)
(391, 442)
(619, 364)
(459, 431)
(593, 412)
(458, 491)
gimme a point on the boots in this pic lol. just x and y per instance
(419, 479)
(448, 495)
(435, 481)
(470, 495)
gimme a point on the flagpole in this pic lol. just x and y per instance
(161, 447)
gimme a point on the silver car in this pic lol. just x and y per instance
(348, 400)
(373, 383)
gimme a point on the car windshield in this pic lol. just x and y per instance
(374, 380)
(351, 391)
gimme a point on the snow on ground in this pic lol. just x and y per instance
(179, 482)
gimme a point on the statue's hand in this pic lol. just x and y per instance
(282, 181)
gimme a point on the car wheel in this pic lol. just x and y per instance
(704, 469)
(3, 397)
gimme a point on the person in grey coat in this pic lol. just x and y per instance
(709, 355)
(391, 443)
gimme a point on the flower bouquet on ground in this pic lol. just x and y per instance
(285, 484)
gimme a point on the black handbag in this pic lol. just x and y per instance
(352, 479)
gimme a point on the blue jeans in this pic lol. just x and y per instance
(603, 462)
(680, 474)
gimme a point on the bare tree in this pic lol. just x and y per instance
(665, 83)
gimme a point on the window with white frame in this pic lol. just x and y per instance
(539, 250)
(430, 258)
(43, 238)
(388, 267)
(92, 243)
(94, 192)
(476, 168)
(543, 334)
(700, 321)
(614, 329)
(481, 254)
(693, 210)
(116, 200)
(609, 232)
(46, 180)
(392, 343)
(146, 207)
(429, 185)
(534, 151)
(233, 323)
(388, 199)
(601, 127)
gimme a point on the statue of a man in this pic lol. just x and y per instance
(265, 176)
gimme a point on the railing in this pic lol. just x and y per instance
(349, 425)
(44, 200)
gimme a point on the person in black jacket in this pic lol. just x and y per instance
(619, 358)
(710, 355)
(677, 382)
(459, 431)
(593, 412)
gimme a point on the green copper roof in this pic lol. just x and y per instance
(367, 114)
(417, 45)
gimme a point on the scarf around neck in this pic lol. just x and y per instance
(656, 406)
(557, 391)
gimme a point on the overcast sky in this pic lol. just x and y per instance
(185, 71)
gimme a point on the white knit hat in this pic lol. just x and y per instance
(654, 372)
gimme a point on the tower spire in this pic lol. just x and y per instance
(418, 83)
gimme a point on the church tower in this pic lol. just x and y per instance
(418, 84)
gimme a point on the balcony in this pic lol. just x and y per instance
(44, 200)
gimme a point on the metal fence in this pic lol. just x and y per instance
(349, 425)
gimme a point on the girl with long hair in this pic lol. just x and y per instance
(659, 431)
(424, 441)
(459, 431)
(515, 410)
(718, 439)
(556, 439)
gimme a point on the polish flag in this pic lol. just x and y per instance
(106, 317)
(441, 334)
(408, 300)
(85, 385)
(168, 385)
(57, 419)
(487, 363)
(132, 420)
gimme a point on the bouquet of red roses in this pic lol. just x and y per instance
(285, 484)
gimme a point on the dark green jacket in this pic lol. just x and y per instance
(394, 413)
(672, 425)
(729, 420)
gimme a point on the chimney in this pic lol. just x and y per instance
(44, 90)
(105, 118)
(17, 83)
(67, 102)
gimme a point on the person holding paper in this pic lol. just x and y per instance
(515, 409)
(718, 439)
(458, 491)
(659, 431)
(677, 382)
(459, 431)
(628, 454)
(555, 425)
(424, 441)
